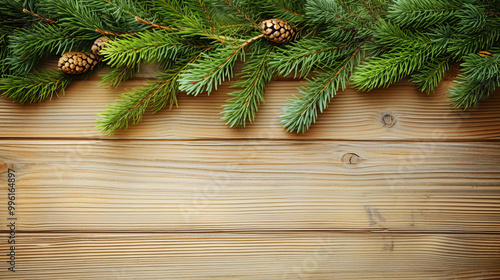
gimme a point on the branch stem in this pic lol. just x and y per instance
(35, 15)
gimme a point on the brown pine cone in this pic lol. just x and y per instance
(77, 62)
(277, 30)
(98, 44)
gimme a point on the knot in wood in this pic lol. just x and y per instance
(388, 119)
(351, 159)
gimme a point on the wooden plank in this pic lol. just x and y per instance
(398, 112)
(132, 185)
(280, 255)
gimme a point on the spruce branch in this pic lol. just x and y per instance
(242, 13)
(417, 14)
(431, 74)
(148, 46)
(153, 24)
(27, 47)
(255, 75)
(207, 73)
(304, 56)
(132, 105)
(119, 74)
(479, 78)
(38, 16)
(303, 111)
(34, 87)
(406, 53)
(78, 16)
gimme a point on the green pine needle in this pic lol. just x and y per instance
(210, 70)
(479, 78)
(303, 111)
(304, 56)
(418, 14)
(35, 87)
(118, 75)
(147, 46)
(132, 105)
(431, 74)
(28, 46)
(244, 105)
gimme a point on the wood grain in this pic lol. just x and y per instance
(133, 185)
(399, 112)
(280, 255)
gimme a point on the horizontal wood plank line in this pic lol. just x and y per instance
(395, 113)
(253, 185)
(255, 256)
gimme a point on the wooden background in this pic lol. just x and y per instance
(391, 184)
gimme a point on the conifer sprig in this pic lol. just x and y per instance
(255, 76)
(132, 105)
(34, 87)
(479, 78)
(303, 111)
(148, 46)
(369, 43)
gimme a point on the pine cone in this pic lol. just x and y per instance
(98, 44)
(77, 62)
(277, 30)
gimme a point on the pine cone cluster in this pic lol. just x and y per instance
(77, 62)
(277, 30)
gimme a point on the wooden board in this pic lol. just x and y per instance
(278, 255)
(254, 185)
(391, 184)
(398, 112)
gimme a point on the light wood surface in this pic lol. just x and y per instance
(391, 184)
(278, 255)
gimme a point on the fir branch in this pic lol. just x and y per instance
(77, 16)
(212, 69)
(242, 13)
(464, 44)
(303, 111)
(388, 69)
(149, 46)
(153, 24)
(27, 47)
(431, 74)
(38, 16)
(291, 11)
(34, 87)
(132, 105)
(479, 78)
(407, 53)
(117, 75)
(255, 75)
(303, 56)
(109, 33)
(422, 13)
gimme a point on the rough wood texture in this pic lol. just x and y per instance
(391, 184)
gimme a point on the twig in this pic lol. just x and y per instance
(370, 10)
(153, 24)
(208, 16)
(241, 12)
(35, 15)
(299, 15)
(113, 33)
(233, 54)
